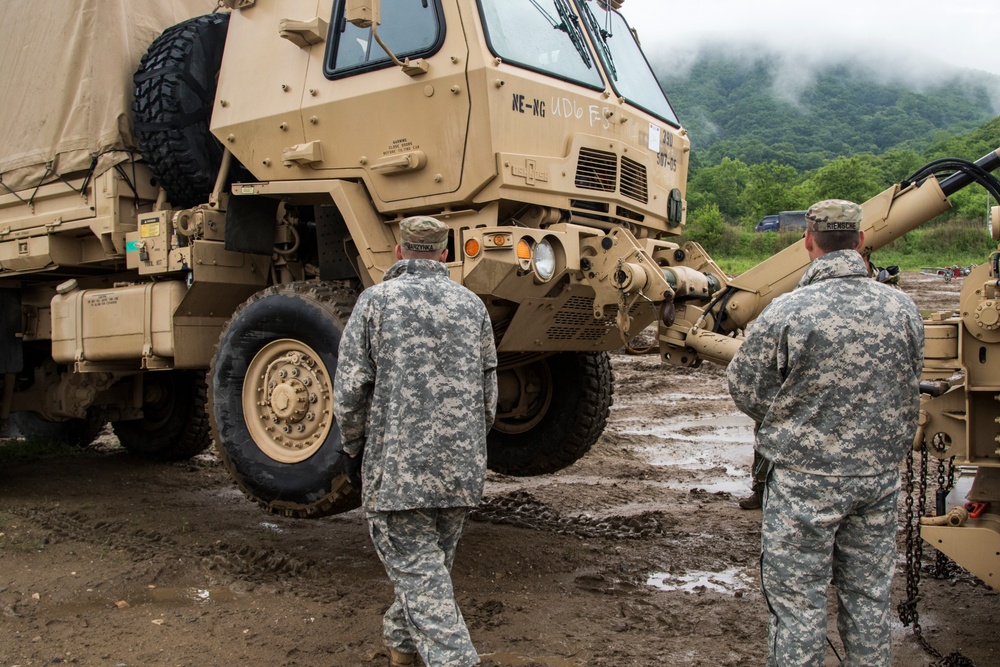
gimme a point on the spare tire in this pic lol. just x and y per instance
(174, 94)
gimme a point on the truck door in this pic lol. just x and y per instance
(405, 127)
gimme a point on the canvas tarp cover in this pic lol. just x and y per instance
(66, 71)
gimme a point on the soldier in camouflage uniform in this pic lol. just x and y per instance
(831, 373)
(416, 390)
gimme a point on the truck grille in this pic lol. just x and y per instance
(634, 180)
(576, 322)
(598, 170)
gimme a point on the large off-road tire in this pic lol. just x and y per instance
(272, 399)
(563, 402)
(72, 432)
(174, 92)
(175, 422)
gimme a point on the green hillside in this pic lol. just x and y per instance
(757, 111)
(725, 201)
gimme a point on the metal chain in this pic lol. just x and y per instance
(907, 609)
(944, 567)
(908, 614)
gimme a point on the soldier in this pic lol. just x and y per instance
(831, 373)
(416, 390)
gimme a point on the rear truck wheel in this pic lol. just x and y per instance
(272, 399)
(174, 92)
(550, 412)
(175, 422)
(72, 432)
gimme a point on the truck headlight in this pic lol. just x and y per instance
(544, 260)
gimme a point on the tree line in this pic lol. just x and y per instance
(844, 135)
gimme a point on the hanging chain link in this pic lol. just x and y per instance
(907, 609)
(945, 567)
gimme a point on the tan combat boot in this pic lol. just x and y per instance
(397, 659)
(752, 502)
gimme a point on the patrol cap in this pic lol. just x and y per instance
(833, 215)
(423, 233)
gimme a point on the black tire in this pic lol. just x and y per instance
(174, 93)
(175, 422)
(72, 432)
(567, 423)
(272, 399)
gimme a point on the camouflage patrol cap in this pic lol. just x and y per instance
(833, 215)
(423, 233)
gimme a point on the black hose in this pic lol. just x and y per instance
(961, 173)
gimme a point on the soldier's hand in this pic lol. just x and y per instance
(352, 467)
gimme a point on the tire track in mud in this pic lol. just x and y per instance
(521, 509)
(245, 563)
(679, 545)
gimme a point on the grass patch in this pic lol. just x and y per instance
(16, 450)
(962, 242)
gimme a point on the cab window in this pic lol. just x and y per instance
(541, 35)
(410, 28)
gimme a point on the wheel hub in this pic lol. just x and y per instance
(525, 394)
(288, 400)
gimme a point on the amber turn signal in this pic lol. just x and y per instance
(523, 250)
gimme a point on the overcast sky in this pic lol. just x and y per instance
(905, 34)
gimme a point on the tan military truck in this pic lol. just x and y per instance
(190, 215)
(195, 211)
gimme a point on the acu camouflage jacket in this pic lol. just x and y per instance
(831, 372)
(416, 387)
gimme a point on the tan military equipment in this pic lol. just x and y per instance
(202, 219)
(197, 224)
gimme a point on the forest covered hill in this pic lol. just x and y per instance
(767, 139)
(763, 108)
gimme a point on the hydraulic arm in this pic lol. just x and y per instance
(708, 330)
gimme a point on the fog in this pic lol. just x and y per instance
(915, 40)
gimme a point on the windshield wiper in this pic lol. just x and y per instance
(602, 38)
(541, 10)
(569, 24)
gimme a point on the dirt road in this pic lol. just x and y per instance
(635, 556)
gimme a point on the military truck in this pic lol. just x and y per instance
(186, 217)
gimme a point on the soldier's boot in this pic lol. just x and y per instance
(751, 502)
(399, 659)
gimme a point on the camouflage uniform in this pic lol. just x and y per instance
(831, 372)
(416, 389)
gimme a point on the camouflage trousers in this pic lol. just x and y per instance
(819, 530)
(417, 548)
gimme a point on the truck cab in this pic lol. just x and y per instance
(277, 144)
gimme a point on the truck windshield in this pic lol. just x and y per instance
(541, 35)
(625, 63)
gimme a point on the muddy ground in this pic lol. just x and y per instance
(637, 555)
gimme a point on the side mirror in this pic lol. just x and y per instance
(362, 13)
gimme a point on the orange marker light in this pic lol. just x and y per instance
(523, 250)
(499, 240)
(471, 248)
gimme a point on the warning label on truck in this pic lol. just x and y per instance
(149, 229)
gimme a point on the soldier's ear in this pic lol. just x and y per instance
(399, 251)
(861, 240)
(808, 241)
